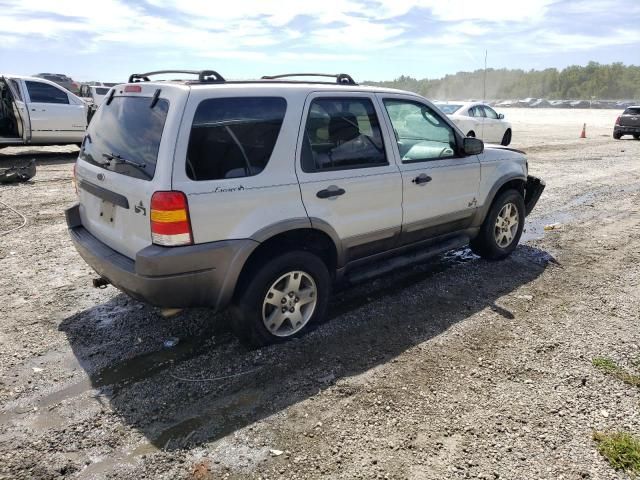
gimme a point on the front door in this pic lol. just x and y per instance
(14, 125)
(54, 115)
(493, 126)
(349, 181)
(440, 187)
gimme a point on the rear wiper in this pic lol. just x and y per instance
(119, 159)
(114, 157)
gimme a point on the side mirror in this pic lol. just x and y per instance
(500, 116)
(472, 146)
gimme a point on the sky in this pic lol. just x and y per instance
(107, 40)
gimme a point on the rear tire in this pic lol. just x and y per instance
(282, 298)
(502, 227)
(617, 135)
(506, 138)
(636, 136)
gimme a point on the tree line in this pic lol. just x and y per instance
(615, 81)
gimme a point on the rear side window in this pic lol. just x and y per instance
(342, 133)
(125, 135)
(45, 93)
(233, 137)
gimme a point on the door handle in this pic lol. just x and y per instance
(422, 179)
(330, 191)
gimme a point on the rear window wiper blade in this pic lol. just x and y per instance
(114, 157)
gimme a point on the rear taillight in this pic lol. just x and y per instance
(618, 120)
(170, 224)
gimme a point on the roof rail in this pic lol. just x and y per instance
(341, 78)
(205, 76)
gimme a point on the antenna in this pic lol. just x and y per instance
(484, 82)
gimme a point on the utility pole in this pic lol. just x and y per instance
(484, 83)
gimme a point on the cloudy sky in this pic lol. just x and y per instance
(370, 39)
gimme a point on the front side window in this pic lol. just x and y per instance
(476, 111)
(45, 93)
(420, 132)
(233, 137)
(342, 133)
(16, 88)
(490, 112)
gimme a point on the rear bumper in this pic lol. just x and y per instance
(203, 275)
(533, 189)
(626, 129)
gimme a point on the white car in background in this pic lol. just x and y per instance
(35, 111)
(477, 119)
(94, 94)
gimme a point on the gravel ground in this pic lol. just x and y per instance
(458, 368)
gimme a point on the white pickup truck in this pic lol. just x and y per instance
(35, 111)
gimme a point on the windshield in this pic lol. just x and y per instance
(124, 136)
(448, 108)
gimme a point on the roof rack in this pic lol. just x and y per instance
(205, 76)
(341, 78)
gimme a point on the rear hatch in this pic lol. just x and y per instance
(630, 117)
(126, 156)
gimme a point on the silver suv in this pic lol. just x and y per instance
(262, 195)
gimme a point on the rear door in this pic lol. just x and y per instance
(347, 175)
(56, 114)
(440, 187)
(115, 196)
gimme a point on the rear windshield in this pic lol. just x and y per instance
(233, 137)
(448, 108)
(124, 136)
(102, 91)
(632, 111)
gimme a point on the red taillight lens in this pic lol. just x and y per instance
(618, 121)
(133, 89)
(170, 224)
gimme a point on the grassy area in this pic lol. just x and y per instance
(621, 449)
(609, 367)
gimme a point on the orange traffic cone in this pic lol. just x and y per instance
(584, 131)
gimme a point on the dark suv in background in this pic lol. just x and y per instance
(628, 123)
(62, 80)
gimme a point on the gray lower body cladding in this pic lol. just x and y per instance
(627, 129)
(201, 275)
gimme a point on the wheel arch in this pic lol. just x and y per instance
(296, 234)
(507, 182)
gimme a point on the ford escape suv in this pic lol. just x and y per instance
(261, 195)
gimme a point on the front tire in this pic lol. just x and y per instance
(471, 134)
(282, 299)
(502, 227)
(506, 138)
(636, 136)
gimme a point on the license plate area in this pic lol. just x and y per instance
(107, 212)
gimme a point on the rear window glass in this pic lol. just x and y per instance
(632, 111)
(102, 91)
(448, 108)
(124, 136)
(233, 137)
